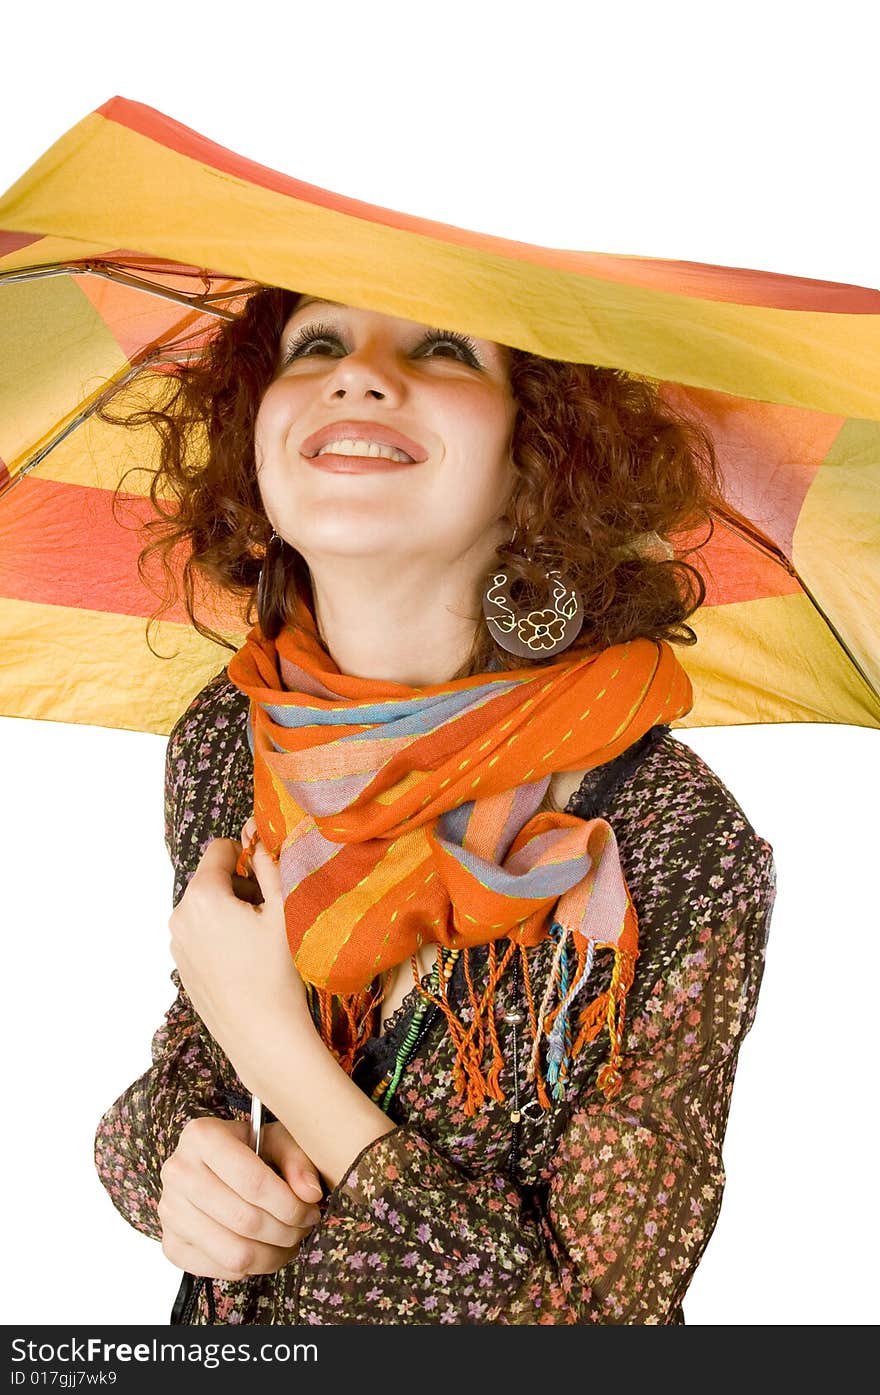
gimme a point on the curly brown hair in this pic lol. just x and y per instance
(601, 460)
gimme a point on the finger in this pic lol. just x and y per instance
(214, 1199)
(250, 1179)
(296, 1167)
(250, 842)
(247, 889)
(266, 871)
(218, 1254)
(219, 874)
(194, 1260)
(219, 859)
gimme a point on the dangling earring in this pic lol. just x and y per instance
(541, 631)
(272, 587)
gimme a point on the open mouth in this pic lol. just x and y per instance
(368, 450)
(363, 440)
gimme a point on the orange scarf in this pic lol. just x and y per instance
(401, 816)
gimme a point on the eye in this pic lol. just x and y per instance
(307, 339)
(321, 338)
(463, 347)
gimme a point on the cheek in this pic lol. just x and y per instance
(481, 423)
(500, 417)
(271, 420)
(492, 432)
(283, 405)
(271, 426)
(476, 486)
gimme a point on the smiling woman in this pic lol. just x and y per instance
(603, 470)
(511, 932)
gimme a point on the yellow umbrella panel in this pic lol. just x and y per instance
(133, 236)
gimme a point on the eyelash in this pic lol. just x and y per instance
(312, 334)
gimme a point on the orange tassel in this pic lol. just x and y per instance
(356, 1018)
(472, 998)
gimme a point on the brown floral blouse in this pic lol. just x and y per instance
(591, 1212)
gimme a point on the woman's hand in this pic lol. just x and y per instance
(224, 1212)
(235, 964)
(234, 961)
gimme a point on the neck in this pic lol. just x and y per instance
(413, 626)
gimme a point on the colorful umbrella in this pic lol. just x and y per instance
(126, 243)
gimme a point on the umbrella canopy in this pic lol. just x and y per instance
(128, 242)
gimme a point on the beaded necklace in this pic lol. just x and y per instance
(384, 1092)
(423, 1015)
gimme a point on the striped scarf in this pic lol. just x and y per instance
(401, 816)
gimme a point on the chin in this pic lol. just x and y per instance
(358, 531)
(359, 544)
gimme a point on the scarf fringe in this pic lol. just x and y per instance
(345, 1024)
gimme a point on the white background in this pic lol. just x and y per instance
(745, 137)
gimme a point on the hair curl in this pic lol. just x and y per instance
(600, 458)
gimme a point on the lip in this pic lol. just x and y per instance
(362, 431)
(356, 464)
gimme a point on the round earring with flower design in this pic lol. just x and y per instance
(537, 632)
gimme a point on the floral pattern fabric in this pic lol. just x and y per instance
(590, 1212)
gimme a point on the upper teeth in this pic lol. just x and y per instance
(352, 447)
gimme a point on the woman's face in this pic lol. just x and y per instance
(348, 375)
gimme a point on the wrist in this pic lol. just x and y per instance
(317, 1102)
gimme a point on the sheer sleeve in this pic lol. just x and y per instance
(207, 795)
(617, 1220)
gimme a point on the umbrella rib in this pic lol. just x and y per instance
(200, 303)
(108, 272)
(111, 387)
(737, 523)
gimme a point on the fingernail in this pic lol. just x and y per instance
(311, 1187)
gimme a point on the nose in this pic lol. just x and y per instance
(368, 372)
